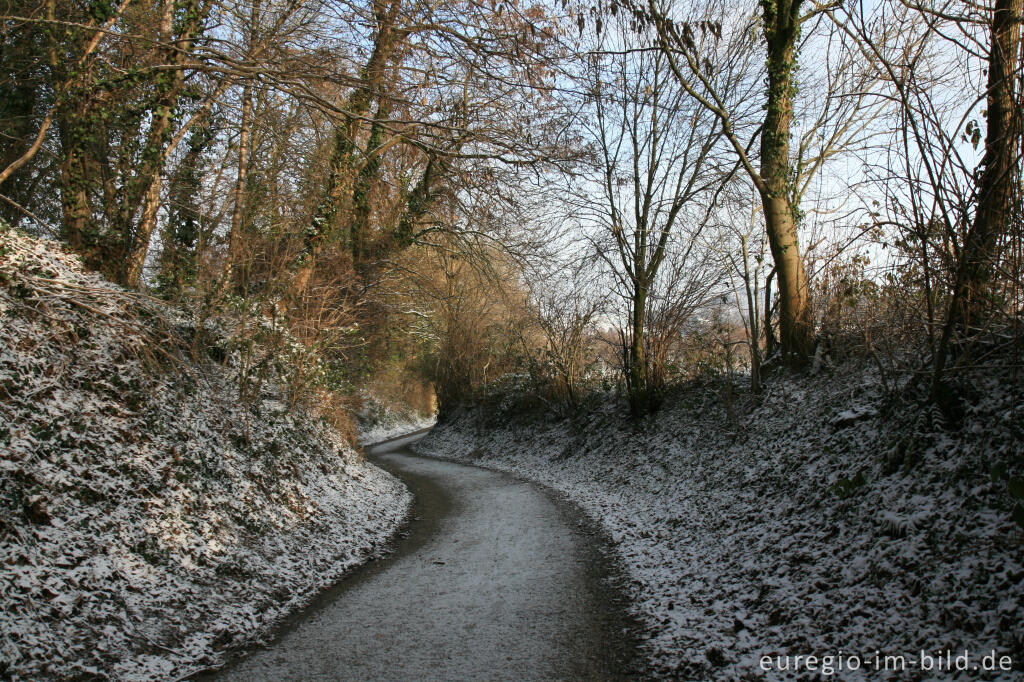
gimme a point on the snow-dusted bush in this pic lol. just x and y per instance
(149, 520)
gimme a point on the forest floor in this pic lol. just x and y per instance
(492, 580)
(150, 521)
(823, 519)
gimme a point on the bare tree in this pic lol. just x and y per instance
(559, 335)
(782, 178)
(658, 172)
(747, 262)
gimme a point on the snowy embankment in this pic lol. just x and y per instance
(379, 421)
(824, 521)
(150, 523)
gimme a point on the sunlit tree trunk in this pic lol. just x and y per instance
(326, 216)
(242, 177)
(781, 31)
(147, 223)
(147, 180)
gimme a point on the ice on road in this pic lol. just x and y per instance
(496, 580)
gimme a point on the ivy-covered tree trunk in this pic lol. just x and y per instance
(363, 186)
(181, 233)
(146, 184)
(419, 202)
(77, 225)
(76, 133)
(342, 182)
(782, 31)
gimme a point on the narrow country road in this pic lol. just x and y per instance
(495, 581)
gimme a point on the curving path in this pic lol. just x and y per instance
(494, 581)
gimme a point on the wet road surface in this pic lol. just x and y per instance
(494, 580)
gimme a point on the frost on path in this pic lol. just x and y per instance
(495, 581)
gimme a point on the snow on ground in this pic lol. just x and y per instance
(379, 421)
(150, 523)
(824, 521)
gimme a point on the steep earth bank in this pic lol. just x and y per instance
(823, 519)
(150, 520)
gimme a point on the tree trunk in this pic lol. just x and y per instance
(363, 186)
(244, 134)
(76, 215)
(796, 335)
(371, 82)
(238, 209)
(144, 191)
(753, 327)
(639, 399)
(147, 223)
(999, 175)
(781, 30)
(77, 169)
(999, 180)
(76, 221)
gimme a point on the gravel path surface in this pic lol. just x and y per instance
(495, 579)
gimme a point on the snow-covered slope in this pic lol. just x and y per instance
(823, 521)
(149, 521)
(378, 421)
